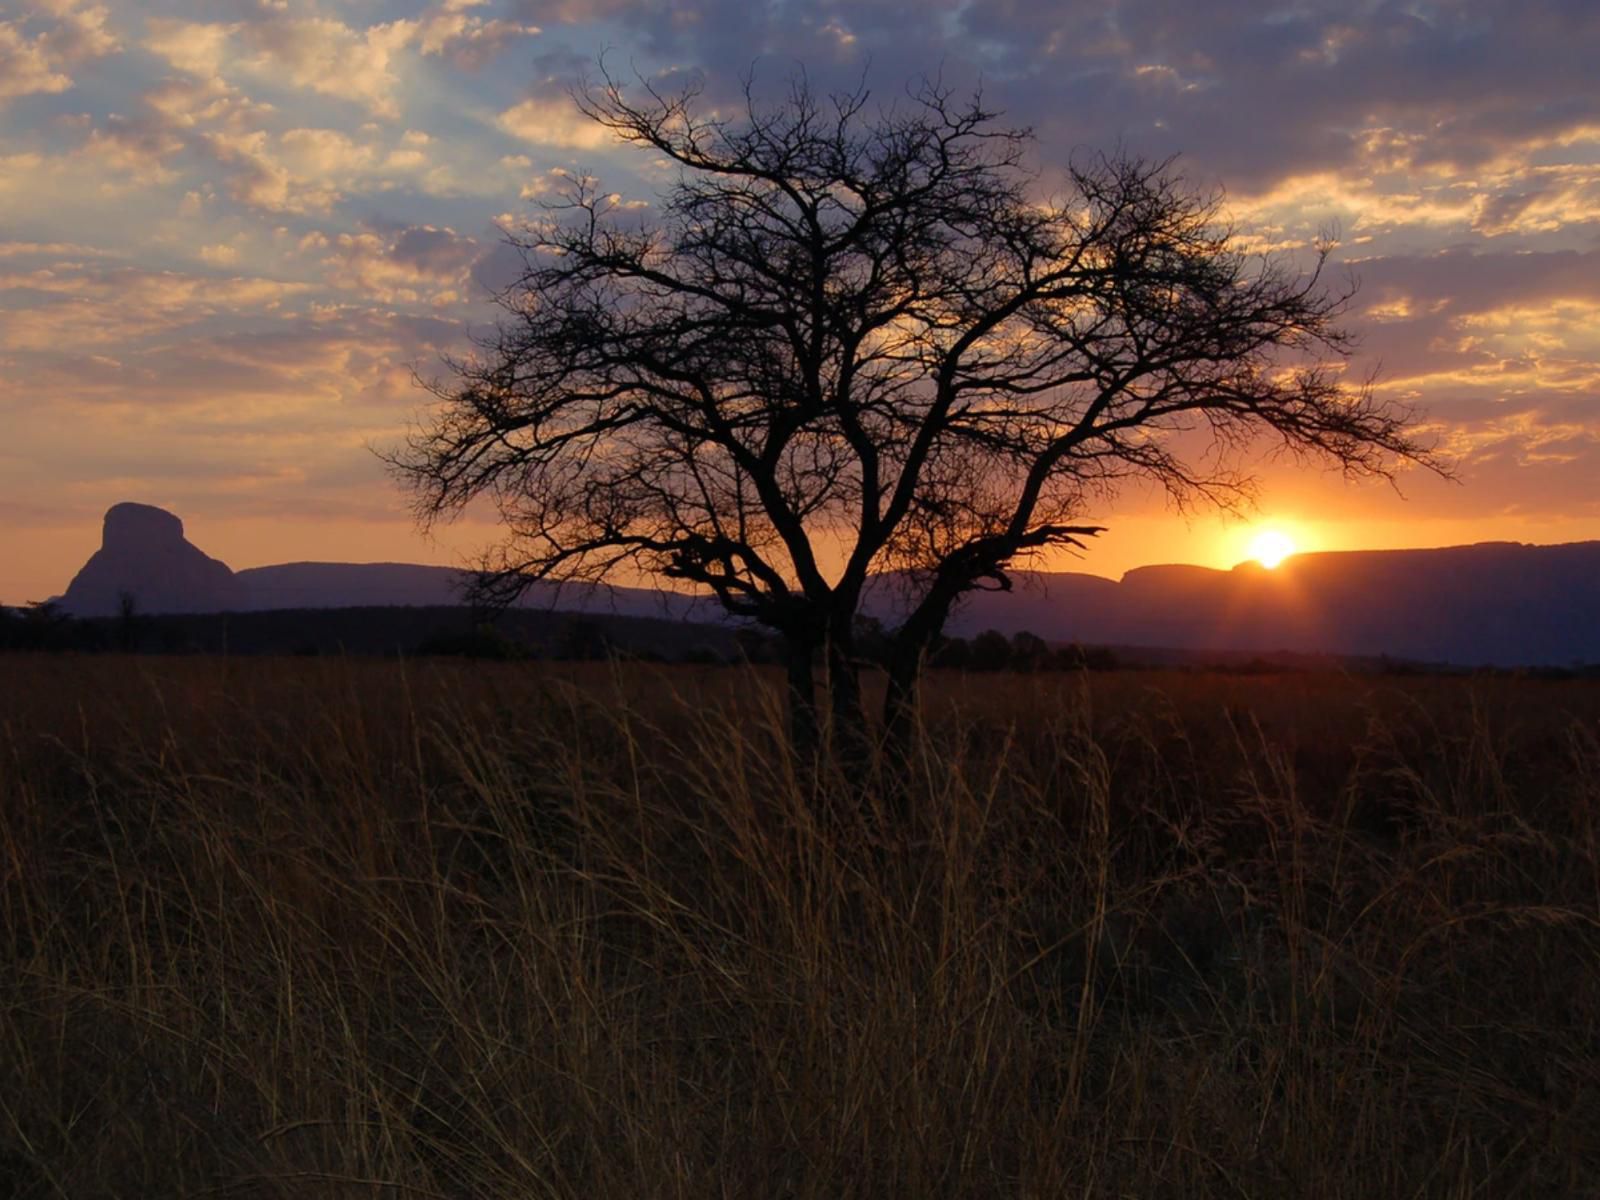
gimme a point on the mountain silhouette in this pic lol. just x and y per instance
(1491, 604)
(144, 555)
(366, 585)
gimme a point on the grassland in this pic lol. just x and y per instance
(362, 928)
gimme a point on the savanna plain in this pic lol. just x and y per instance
(368, 928)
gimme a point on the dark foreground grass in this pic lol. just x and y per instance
(362, 929)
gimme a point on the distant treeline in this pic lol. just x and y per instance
(520, 634)
(45, 627)
(988, 651)
(385, 631)
(514, 634)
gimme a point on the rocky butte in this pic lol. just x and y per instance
(143, 554)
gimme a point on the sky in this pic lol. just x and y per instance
(234, 232)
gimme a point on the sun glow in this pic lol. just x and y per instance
(1270, 547)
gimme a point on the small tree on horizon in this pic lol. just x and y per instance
(853, 341)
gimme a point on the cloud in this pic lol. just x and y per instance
(424, 264)
(273, 419)
(1470, 334)
(141, 150)
(1475, 282)
(92, 305)
(66, 33)
(469, 41)
(52, 250)
(554, 121)
(260, 179)
(321, 153)
(319, 54)
(78, 32)
(196, 47)
(331, 376)
(1541, 199)
(294, 170)
(570, 12)
(26, 65)
(1250, 94)
(311, 171)
(184, 104)
(328, 57)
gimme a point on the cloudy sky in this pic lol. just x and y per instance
(230, 230)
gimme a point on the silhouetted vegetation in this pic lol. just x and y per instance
(574, 637)
(44, 627)
(583, 640)
(482, 641)
(452, 632)
(129, 627)
(871, 319)
(991, 650)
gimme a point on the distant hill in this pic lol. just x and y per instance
(369, 585)
(144, 556)
(1493, 604)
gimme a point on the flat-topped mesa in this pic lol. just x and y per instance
(144, 555)
(129, 524)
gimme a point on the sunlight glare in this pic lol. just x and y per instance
(1270, 547)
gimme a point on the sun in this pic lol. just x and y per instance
(1270, 547)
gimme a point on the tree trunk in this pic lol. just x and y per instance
(912, 643)
(900, 701)
(804, 735)
(849, 725)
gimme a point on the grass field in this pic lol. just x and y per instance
(369, 929)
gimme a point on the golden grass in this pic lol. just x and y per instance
(339, 929)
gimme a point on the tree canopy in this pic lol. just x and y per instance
(853, 341)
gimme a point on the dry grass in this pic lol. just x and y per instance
(361, 929)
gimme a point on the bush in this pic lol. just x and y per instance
(990, 651)
(484, 641)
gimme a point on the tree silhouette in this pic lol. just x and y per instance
(855, 341)
(128, 631)
(990, 651)
(1029, 652)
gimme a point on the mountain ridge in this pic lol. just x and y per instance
(1494, 603)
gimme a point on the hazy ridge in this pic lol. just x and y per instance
(1494, 603)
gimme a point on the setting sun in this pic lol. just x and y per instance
(1270, 547)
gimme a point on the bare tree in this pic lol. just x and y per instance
(852, 342)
